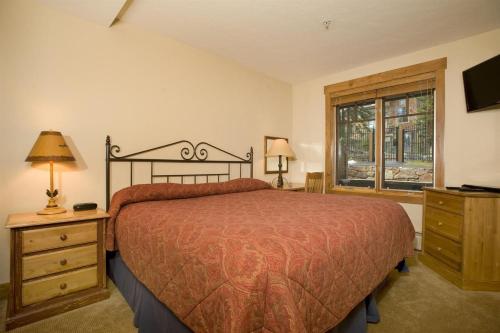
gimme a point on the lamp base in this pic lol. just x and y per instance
(52, 210)
(280, 176)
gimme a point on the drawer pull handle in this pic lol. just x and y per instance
(63, 237)
(440, 202)
(439, 249)
(63, 262)
(440, 223)
(63, 286)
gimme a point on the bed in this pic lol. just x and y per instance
(239, 256)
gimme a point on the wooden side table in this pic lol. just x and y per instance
(297, 187)
(58, 263)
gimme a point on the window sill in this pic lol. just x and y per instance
(399, 196)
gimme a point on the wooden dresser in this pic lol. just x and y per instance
(57, 264)
(462, 237)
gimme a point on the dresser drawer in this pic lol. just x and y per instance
(444, 223)
(451, 203)
(56, 237)
(58, 285)
(59, 261)
(443, 249)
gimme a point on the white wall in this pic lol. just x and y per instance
(62, 73)
(58, 72)
(472, 141)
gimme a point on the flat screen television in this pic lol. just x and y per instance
(482, 85)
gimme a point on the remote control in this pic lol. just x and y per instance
(468, 189)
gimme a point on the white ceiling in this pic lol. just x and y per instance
(286, 39)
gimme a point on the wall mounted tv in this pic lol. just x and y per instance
(482, 85)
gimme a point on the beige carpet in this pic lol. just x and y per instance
(419, 301)
(423, 301)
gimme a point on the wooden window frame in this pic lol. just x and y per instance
(365, 88)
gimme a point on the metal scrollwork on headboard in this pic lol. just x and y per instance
(189, 153)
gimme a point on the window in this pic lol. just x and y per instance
(384, 133)
(356, 144)
(408, 145)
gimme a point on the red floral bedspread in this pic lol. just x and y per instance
(260, 260)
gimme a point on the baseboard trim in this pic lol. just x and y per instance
(4, 290)
(417, 242)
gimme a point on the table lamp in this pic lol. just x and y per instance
(280, 148)
(50, 147)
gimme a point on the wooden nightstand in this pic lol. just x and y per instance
(461, 237)
(57, 263)
(291, 187)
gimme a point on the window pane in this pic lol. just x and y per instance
(395, 107)
(409, 141)
(356, 145)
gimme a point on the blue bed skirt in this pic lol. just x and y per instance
(152, 316)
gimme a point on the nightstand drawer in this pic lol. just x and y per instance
(443, 249)
(58, 285)
(59, 261)
(452, 203)
(55, 237)
(444, 223)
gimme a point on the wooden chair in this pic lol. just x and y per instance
(314, 182)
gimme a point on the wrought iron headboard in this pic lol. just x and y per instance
(189, 153)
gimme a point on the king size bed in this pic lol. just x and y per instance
(239, 256)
